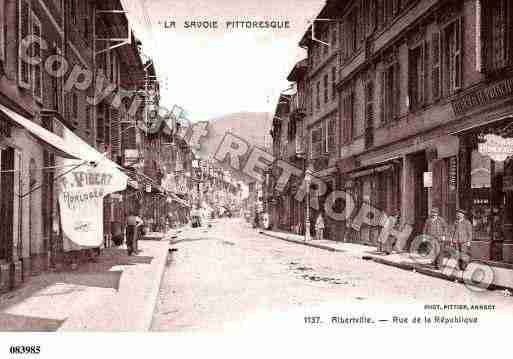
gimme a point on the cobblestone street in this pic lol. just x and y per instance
(231, 275)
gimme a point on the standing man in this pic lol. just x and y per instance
(133, 222)
(462, 236)
(319, 227)
(436, 228)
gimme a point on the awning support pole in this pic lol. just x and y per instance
(55, 178)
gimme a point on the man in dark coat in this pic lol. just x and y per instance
(462, 236)
(436, 228)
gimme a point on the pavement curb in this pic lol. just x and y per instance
(152, 303)
(319, 246)
(426, 271)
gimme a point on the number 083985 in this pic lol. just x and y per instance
(25, 349)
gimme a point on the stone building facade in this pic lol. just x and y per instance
(52, 94)
(423, 113)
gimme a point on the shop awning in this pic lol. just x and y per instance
(68, 146)
(370, 171)
(57, 144)
(178, 200)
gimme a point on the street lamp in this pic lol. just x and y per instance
(308, 181)
(197, 178)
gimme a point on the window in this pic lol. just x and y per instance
(416, 77)
(391, 8)
(359, 27)
(347, 118)
(30, 77)
(369, 114)
(326, 87)
(316, 142)
(452, 57)
(88, 117)
(74, 106)
(317, 96)
(333, 83)
(390, 97)
(350, 31)
(369, 8)
(331, 136)
(386, 11)
(73, 11)
(496, 33)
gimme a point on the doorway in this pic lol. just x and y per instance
(420, 205)
(6, 202)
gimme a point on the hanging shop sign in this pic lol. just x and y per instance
(496, 147)
(428, 179)
(507, 183)
(81, 193)
(453, 173)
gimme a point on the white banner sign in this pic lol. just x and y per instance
(81, 194)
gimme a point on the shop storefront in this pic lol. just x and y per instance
(486, 189)
(378, 186)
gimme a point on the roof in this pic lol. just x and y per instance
(331, 9)
(298, 71)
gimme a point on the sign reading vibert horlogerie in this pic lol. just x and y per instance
(81, 194)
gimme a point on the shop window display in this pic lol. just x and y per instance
(492, 199)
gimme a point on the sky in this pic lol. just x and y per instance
(213, 72)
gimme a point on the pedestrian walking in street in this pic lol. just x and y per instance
(319, 227)
(436, 228)
(462, 237)
(133, 223)
(391, 241)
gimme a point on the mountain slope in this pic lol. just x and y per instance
(252, 127)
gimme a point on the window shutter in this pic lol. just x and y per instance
(383, 101)
(435, 66)
(18, 190)
(2, 35)
(115, 132)
(369, 105)
(380, 13)
(350, 116)
(425, 73)
(480, 36)
(396, 96)
(395, 7)
(324, 142)
(23, 32)
(108, 72)
(371, 16)
(107, 125)
(421, 75)
(457, 54)
(37, 71)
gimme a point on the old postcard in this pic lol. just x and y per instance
(306, 177)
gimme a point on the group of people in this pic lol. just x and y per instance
(458, 237)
